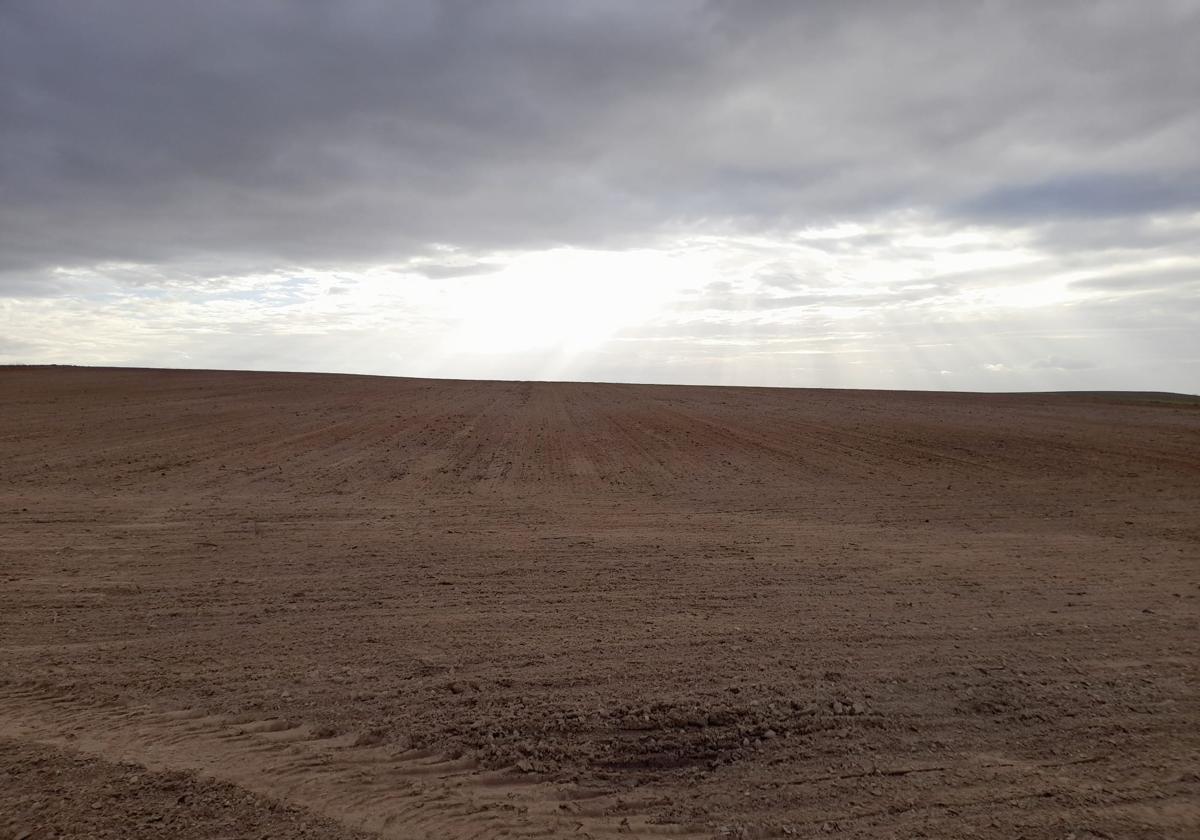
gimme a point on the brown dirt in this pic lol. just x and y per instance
(50, 792)
(322, 604)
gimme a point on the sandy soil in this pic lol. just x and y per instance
(247, 605)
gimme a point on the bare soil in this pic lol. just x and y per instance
(292, 605)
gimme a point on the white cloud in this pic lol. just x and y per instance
(911, 306)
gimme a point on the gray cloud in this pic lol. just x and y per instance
(294, 184)
(1061, 363)
(158, 133)
(724, 301)
(1087, 196)
(1172, 279)
(14, 348)
(443, 271)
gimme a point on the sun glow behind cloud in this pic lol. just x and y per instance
(566, 300)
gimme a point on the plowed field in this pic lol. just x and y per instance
(291, 605)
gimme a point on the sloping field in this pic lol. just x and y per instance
(286, 605)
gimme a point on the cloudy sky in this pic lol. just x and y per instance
(946, 195)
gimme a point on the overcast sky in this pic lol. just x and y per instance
(946, 195)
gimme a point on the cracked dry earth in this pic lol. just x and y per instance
(283, 605)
